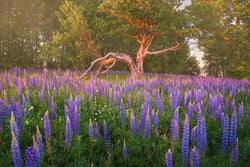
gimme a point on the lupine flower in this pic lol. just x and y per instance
(76, 121)
(91, 133)
(193, 134)
(129, 101)
(132, 123)
(194, 158)
(185, 142)
(15, 148)
(53, 111)
(138, 99)
(108, 141)
(19, 117)
(147, 128)
(47, 130)
(66, 112)
(3, 113)
(31, 157)
(190, 110)
(68, 133)
(174, 131)
(13, 127)
(176, 115)
(241, 109)
(122, 114)
(225, 133)
(104, 130)
(234, 154)
(156, 119)
(233, 131)
(125, 153)
(96, 132)
(169, 159)
(39, 142)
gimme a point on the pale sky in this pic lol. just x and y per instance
(194, 50)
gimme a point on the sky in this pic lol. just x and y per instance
(194, 50)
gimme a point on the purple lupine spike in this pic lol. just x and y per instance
(105, 131)
(16, 153)
(13, 127)
(13, 104)
(138, 99)
(31, 157)
(132, 123)
(39, 141)
(204, 135)
(122, 114)
(110, 97)
(193, 134)
(47, 130)
(49, 99)
(224, 146)
(3, 114)
(19, 118)
(174, 131)
(53, 110)
(27, 97)
(233, 131)
(68, 133)
(241, 109)
(76, 121)
(66, 112)
(114, 100)
(147, 127)
(194, 158)
(55, 92)
(125, 152)
(91, 132)
(185, 141)
(19, 88)
(234, 154)
(169, 159)
(190, 110)
(176, 115)
(129, 101)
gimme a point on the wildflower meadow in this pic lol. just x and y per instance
(53, 118)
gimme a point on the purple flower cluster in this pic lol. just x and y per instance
(47, 130)
(185, 141)
(16, 153)
(194, 158)
(224, 146)
(169, 159)
(31, 156)
(233, 132)
(68, 133)
(147, 127)
(125, 152)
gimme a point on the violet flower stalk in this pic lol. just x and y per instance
(16, 153)
(194, 158)
(3, 114)
(132, 123)
(76, 121)
(224, 146)
(13, 127)
(147, 127)
(122, 114)
(174, 131)
(156, 120)
(169, 159)
(39, 142)
(53, 111)
(233, 132)
(68, 133)
(31, 157)
(125, 152)
(234, 154)
(47, 130)
(185, 142)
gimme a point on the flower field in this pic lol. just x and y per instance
(52, 118)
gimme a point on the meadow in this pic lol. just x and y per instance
(53, 118)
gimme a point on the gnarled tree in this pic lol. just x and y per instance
(144, 20)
